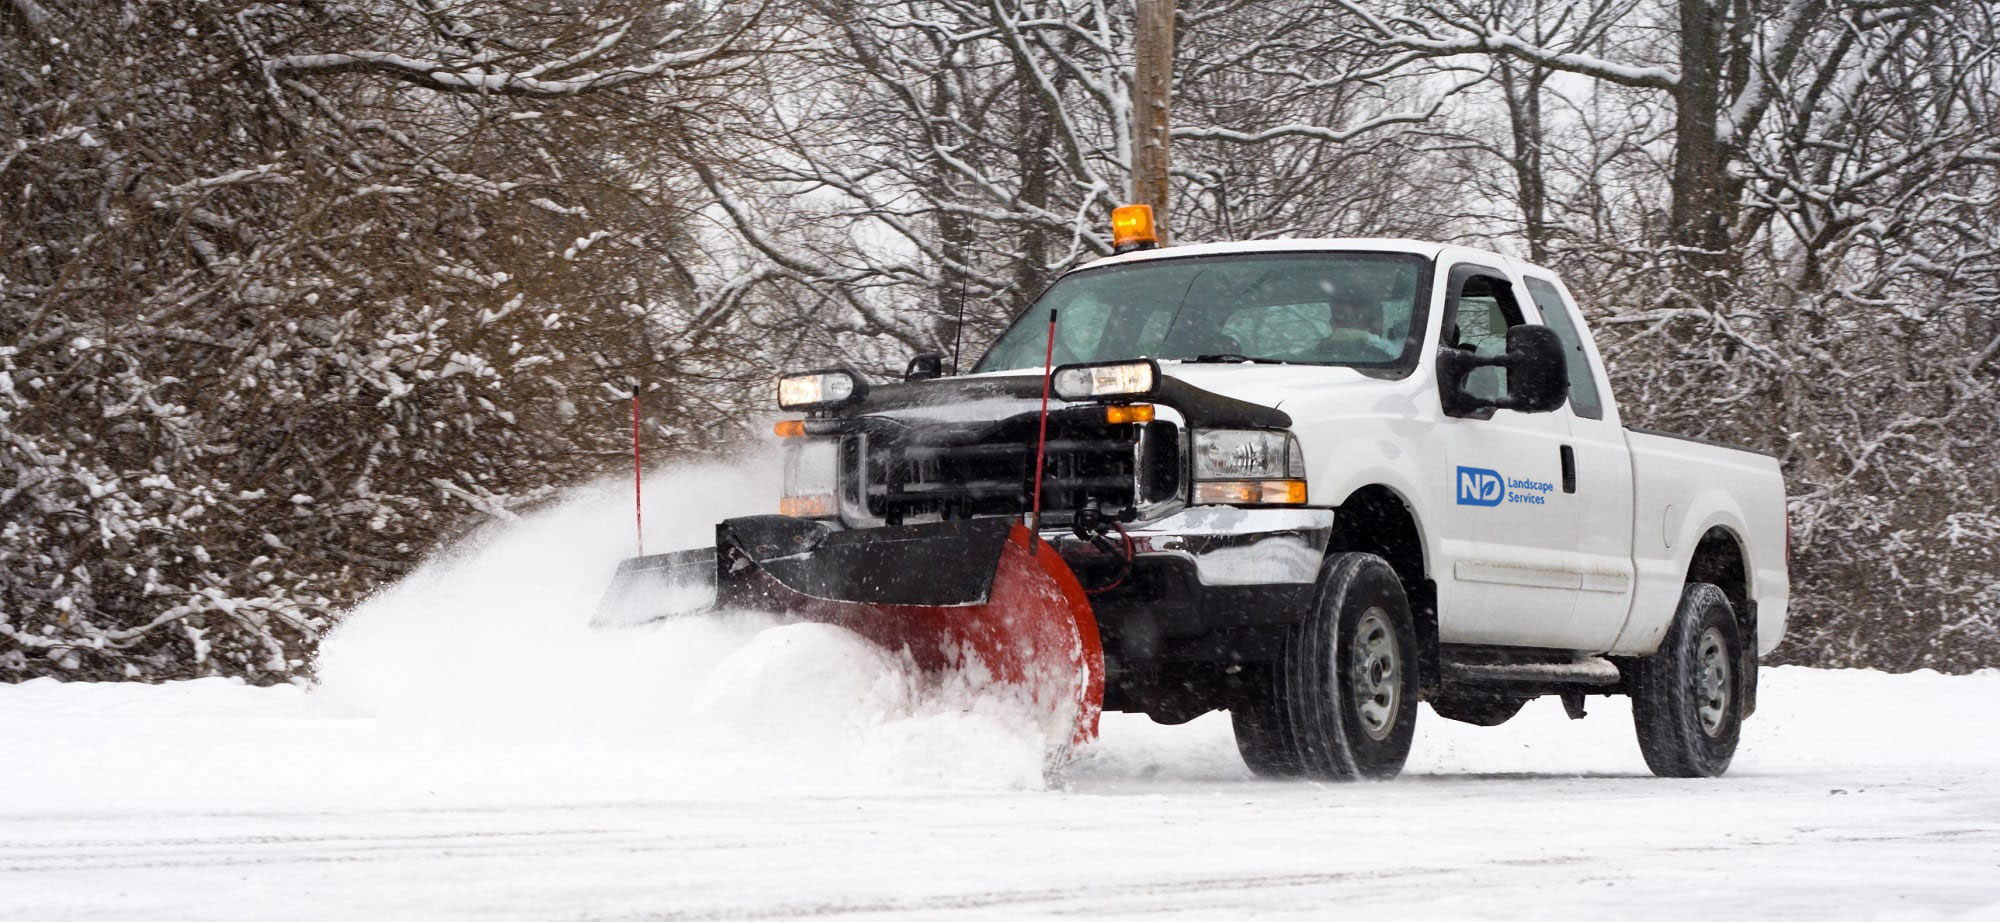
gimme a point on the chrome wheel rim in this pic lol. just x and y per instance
(1712, 682)
(1375, 675)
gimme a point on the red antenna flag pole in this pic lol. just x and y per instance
(1042, 440)
(638, 504)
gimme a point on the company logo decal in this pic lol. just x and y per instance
(1478, 486)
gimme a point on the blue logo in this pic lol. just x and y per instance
(1478, 486)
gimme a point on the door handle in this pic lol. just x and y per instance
(1569, 469)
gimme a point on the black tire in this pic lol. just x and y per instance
(1687, 698)
(1480, 710)
(1264, 739)
(1341, 701)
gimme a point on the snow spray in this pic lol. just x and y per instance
(484, 657)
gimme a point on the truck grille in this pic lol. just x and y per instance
(954, 472)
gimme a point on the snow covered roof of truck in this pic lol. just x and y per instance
(1314, 244)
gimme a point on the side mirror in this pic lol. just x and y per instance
(1537, 374)
(1538, 379)
(924, 366)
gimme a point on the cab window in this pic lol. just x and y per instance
(1483, 309)
(1360, 310)
(1276, 328)
(1583, 399)
(1085, 323)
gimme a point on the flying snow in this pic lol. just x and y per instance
(483, 666)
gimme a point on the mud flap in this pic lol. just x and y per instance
(983, 597)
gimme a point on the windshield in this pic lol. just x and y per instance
(1358, 309)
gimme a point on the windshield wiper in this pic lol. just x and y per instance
(1219, 357)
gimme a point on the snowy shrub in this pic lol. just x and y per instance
(288, 293)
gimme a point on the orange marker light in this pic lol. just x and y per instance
(814, 506)
(1132, 228)
(1251, 492)
(1230, 491)
(790, 428)
(1289, 492)
(1132, 413)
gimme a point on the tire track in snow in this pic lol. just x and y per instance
(1092, 896)
(229, 851)
(6, 846)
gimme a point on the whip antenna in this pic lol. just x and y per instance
(958, 332)
(638, 488)
(1042, 440)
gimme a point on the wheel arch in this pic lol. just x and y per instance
(1721, 559)
(1378, 519)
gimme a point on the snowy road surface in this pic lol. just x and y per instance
(473, 751)
(207, 800)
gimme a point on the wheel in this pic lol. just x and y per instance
(1341, 701)
(1480, 710)
(1264, 739)
(1687, 698)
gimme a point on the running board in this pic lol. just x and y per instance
(1595, 671)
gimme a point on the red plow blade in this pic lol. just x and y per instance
(984, 598)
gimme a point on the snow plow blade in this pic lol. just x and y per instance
(981, 596)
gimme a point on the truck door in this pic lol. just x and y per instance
(1600, 479)
(1508, 570)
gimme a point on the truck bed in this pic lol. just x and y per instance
(1685, 491)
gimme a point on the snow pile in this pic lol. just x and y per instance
(482, 672)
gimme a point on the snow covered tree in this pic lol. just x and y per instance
(288, 292)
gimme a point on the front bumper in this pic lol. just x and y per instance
(1211, 591)
(1225, 545)
(1204, 583)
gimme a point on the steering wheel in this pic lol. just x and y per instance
(1342, 345)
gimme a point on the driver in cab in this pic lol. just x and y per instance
(1355, 316)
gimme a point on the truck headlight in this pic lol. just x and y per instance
(820, 390)
(812, 479)
(1107, 379)
(1248, 466)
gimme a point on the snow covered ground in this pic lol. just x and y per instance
(474, 752)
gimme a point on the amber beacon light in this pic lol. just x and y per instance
(1132, 229)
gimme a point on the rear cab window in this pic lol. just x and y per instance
(1556, 315)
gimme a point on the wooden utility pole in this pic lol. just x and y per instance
(1152, 82)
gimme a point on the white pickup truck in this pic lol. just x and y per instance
(1314, 482)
